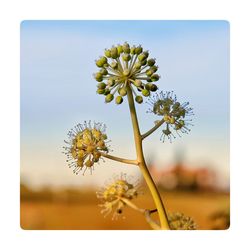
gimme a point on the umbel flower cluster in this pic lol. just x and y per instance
(115, 195)
(85, 146)
(179, 221)
(174, 114)
(123, 66)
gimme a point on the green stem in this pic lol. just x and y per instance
(142, 164)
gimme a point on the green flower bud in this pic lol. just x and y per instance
(149, 72)
(114, 52)
(138, 83)
(145, 92)
(138, 50)
(142, 57)
(98, 63)
(118, 99)
(101, 85)
(132, 50)
(154, 68)
(100, 91)
(107, 91)
(126, 48)
(119, 49)
(151, 62)
(114, 65)
(103, 60)
(137, 65)
(139, 99)
(148, 86)
(145, 53)
(107, 53)
(126, 57)
(111, 82)
(103, 72)
(144, 62)
(155, 77)
(109, 98)
(153, 87)
(98, 77)
(122, 91)
(126, 72)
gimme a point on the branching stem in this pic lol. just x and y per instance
(152, 129)
(145, 212)
(142, 164)
(115, 158)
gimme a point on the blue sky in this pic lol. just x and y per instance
(58, 91)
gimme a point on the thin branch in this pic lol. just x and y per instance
(146, 213)
(152, 129)
(127, 161)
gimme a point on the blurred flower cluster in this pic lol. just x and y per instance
(116, 192)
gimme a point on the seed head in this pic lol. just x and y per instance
(85, 144)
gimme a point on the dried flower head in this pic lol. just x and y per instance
(179, 221)
(85, 145)
(173, 113)
(115, 192)
(123, 66)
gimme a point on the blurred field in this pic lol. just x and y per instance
(82, 212)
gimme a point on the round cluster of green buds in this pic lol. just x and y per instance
(115, 194)
(85, 146)
(178, 221)
(125, 67)
(174, 114)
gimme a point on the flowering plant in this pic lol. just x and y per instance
(126, 71)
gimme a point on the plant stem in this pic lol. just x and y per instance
(142, 164)
(153, 129)
(115, 158)
(146, 213)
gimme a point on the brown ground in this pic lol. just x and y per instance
(86, 213)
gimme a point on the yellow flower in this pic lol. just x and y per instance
(179, 221)
(173, 113)
(115, 192)
(85, 146)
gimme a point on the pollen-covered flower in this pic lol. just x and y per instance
(124, 67)
(114, 194)
(85, 145)
(179, 221)
(173, 113)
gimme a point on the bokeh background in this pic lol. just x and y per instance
(58, 91)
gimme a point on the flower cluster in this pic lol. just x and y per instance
(85, 146)
(124, 67)
(173, 113)
(115, 193)
(179, 221)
